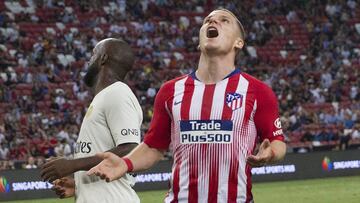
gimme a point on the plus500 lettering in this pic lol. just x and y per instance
(205, 138)
(206, 131)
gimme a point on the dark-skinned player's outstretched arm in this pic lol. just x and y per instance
(60, 167)
(59, 171)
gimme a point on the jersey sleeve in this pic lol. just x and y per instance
(123, 115)
(159, 133)
(266, 118)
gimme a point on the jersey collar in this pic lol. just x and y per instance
(234, 72)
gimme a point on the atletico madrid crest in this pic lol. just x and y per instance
(234, 100)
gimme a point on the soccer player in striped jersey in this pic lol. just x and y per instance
(211, 120)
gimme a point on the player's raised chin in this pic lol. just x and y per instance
(219, 34)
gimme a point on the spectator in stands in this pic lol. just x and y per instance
(348, 122)
(308, 136)
(63, 149)
(40, 161)
(331, 135)
(355, 134)
(7, 165)
(63, 134)
(345, 138)
(4, 151)
(322, 134)
(2, 136)
(330, 117)
(30, 163)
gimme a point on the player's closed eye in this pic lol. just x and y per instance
(225, 20)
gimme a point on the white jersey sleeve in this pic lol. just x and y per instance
(123, 114)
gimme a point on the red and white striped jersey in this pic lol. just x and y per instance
(211, 128)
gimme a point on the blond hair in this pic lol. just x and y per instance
(241, 27)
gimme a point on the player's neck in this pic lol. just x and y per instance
(102, 85)
(104, 81)
(213, 69)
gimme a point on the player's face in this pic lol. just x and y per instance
(94, 68)
(220, 33)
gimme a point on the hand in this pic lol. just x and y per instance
(64, 187)
(57, 168)
(264, 156)
(111, 168)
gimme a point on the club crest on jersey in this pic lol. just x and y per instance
(234, 100)
(89, 111)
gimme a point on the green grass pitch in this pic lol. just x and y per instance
(329, 190)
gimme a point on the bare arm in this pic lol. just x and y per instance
(268, 153)
(268, 126)
(61, 167)
(85, 164)
(279, 149)
(64, 187)
(113, 167)
(143, 157)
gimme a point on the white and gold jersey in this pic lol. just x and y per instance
(114, 117)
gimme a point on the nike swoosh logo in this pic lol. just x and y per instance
(177, 102)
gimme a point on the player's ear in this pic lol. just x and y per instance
(198, 47)
(239, 43)
(103, 59)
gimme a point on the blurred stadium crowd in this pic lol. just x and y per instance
(307, 51)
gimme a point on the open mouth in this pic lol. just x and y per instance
(212, 32)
